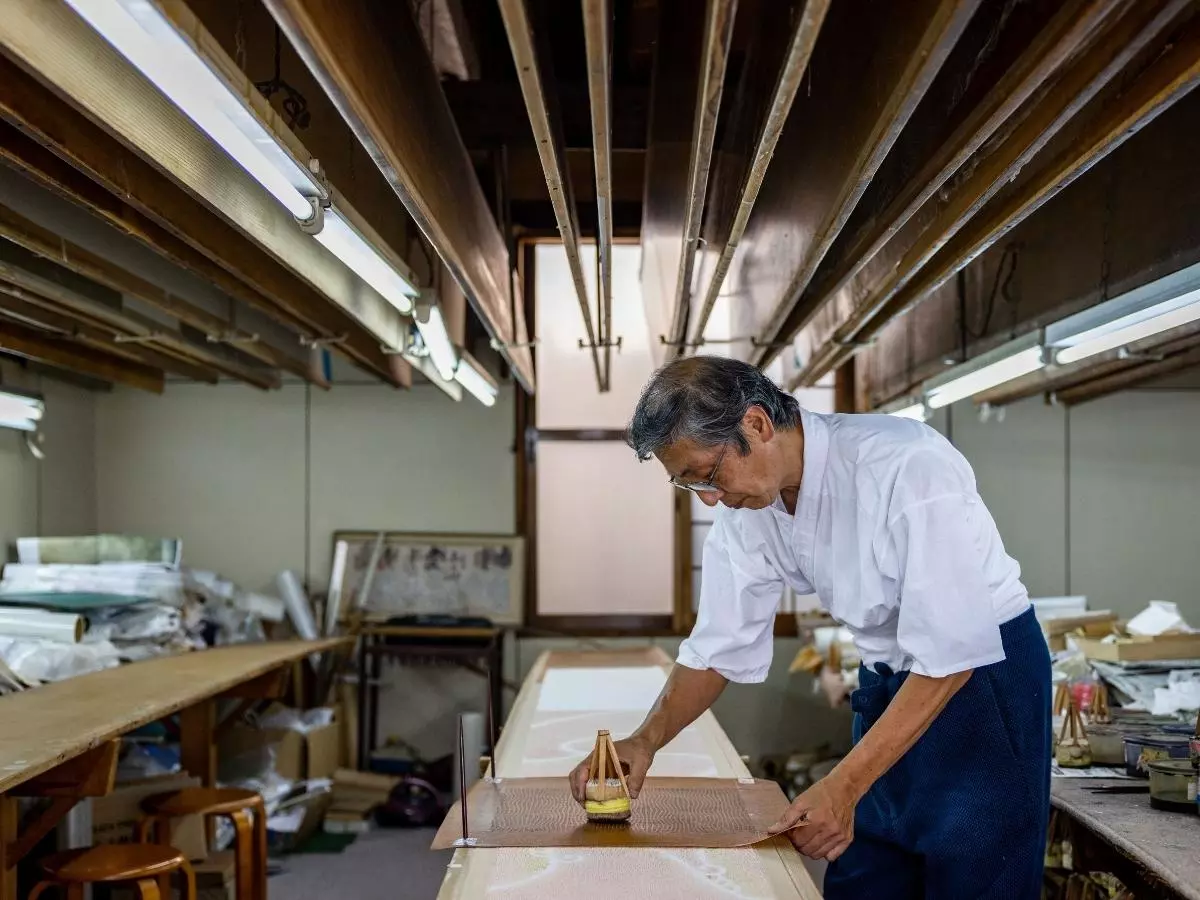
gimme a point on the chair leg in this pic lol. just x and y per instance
(260, 848)
(74, 891)
(164, 885)
(244, 854)
(40, 888)
(189, 881)
(152, 830)
(148, 890)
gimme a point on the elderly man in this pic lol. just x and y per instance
(946, 792)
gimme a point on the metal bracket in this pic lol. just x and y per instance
(499, 345)
(840, 342)
(316, 219)
(1126, 353)
(138, 338)
(232, 337)
(323, 342)
(600, 345)
(467, 842)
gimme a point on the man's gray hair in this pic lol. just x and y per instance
(703, 399)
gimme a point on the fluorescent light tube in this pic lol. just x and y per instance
(20, 411)
(1014, 359)
(916, 411)
(476, 381)
(437, 342)
(1130, 328)
(138, 31)
(341, 239)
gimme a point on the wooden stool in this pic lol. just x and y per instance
(148, 866)
(250, 848)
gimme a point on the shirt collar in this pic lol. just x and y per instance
(816, 453)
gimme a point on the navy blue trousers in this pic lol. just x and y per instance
(963, 814)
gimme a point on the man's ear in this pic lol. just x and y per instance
(756, 422)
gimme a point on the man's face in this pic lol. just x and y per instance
(742, 482)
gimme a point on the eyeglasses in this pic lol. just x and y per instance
(706, 486)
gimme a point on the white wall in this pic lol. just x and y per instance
(1098, 499)
(58, 494)
(257, 482)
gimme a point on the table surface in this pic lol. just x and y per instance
(1165, 843)
(48, 725)
(548, 738)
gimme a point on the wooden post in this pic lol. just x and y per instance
(8, 834)
(198, 753)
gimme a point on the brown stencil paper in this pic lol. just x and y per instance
(669, 812)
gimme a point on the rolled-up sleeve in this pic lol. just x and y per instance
(942, 536)
(739, 596)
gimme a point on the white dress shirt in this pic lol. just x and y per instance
(891, 535)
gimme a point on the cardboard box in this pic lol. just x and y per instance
(115, 817)
(298, 755)
(1142, 649)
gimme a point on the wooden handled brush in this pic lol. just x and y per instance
(606, 795)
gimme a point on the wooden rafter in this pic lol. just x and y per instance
(1172, 75)
(538, 90)
(55, 146)
(45, 243)
(1052, 47)
(371, 61)
(35, 345)
(804, 37)
(1130, 377)
(597, 19)
(27, 309)
(921, 63)
(1092, 71)
(124, 325)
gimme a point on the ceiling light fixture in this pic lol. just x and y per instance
(986, 371)
(476, 380)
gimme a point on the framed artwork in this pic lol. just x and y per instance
(427, 574)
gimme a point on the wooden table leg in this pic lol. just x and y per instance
(9, 822)
(362, 704)
(197, 750)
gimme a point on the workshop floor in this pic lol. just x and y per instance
(389, 864)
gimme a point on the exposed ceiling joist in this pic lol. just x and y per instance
(729, 225)
(61, 354)
(686, 91)
(869, 138)
(27, 309)
(597, 22)
(19, 268)
(60, 251)
(373, 64)
(1123, 380)
(1172, 75)
(537, 87)
(1051, 48)
(81, 162)
(1090, 73)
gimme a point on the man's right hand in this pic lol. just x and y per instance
(636, 754)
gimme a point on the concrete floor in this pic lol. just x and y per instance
(388, 864)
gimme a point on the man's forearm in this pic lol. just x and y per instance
(684, 698)
(918, 702)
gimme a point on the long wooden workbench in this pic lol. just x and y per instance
(47, 727)
(1154, 853)
(551, 728)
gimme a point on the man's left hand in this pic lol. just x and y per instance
(825, 816)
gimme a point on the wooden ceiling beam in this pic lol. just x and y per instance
(915, 69)
(29, 310)
(50, 142)
(34, 345)
(371, 61)
(1091, 72)
(687, 87)
(538, 89)
(1053, 46)
(1174, 73)
(123, 324)
(1139, 374)
(597, 22)
(46, 244)
(728, 232)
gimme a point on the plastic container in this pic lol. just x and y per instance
(1143, 749)
(1172, 785)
